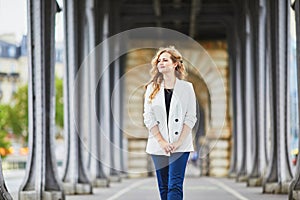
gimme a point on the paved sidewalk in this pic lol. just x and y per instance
(195, 189)
(206, 188)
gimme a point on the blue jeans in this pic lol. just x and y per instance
(170, 174)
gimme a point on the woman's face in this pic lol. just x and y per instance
(165, 64)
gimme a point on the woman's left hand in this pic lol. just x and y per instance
(175, 146)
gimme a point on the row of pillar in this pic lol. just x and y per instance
(259, 75)
(87, 23)
(258, 64)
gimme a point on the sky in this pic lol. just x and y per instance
(13, 19)
(293, 25)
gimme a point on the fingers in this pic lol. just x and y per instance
(169, 148)
(174, 149)
(175, 146)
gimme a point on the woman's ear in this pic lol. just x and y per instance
(176, 64)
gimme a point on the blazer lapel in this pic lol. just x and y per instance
(173, 103)
(174, 99)
(161, 100)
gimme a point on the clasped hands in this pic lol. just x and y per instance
(169, 148)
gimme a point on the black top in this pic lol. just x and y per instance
(168, 96)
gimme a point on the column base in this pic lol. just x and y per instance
(31, 195)
(5, 195)
(276, 188)
(242, 178)
(285, 187)
(101, 182)
(123, 175)
(77, 188)
(232, 175)
(296, 195)
(82, 188)
(273, 188)
(114, 178)
(254, 182)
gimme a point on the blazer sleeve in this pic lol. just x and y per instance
(190, 116)
(149, 117)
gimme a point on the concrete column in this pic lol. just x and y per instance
(238, 137)
(242, 140)
(253, 137)
(100, 165)
(249, 128)
(261, 115)
(4, 194)
(114, 27)
(233, 56)
(294, 189)
(41, 180)
(95, 18)
(114, 126)
(117, 113)
(279, 173)
(74, 176)
(272, 170)
(259, 28)
(104, 91)
(123, 140)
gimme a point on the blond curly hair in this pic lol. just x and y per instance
(157, 77)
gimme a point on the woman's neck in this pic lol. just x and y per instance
(169, 81)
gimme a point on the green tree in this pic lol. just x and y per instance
(59, 103)
(14, 117)
(18, 118)
(5, 111)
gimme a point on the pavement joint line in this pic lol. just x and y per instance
(228, 189)
(127, 189)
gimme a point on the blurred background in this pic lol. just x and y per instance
(216, 107)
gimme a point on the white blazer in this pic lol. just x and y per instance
(182, 111)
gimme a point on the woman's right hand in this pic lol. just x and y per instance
(167, 147)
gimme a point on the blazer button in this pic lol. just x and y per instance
(176, 133)
(176, 120)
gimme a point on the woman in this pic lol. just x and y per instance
(170, 115)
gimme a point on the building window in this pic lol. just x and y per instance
(11, 51)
